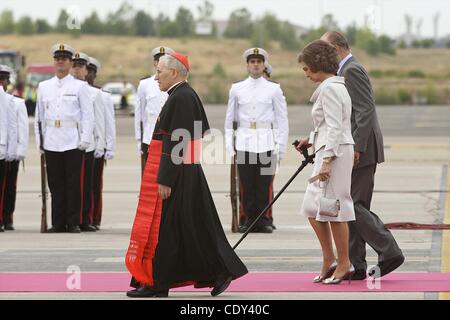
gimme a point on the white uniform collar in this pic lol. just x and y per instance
(258, 80)
(343, 61)
(62, 81)
(335, 79)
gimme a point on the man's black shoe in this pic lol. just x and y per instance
(73, 229)
(266, 229)
(9, 227)
(387, 266)
(147, 292)
(360, 274)
(97, 227)
(221, 285)
(87, 228)
(56, 230)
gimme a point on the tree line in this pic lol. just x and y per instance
(127, 21)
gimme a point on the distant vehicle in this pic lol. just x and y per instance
(37, 73)
(16, 61)
(34, 74)
(123, 95)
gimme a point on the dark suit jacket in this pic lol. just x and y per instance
(365, 127)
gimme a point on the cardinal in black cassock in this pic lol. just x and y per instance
(177, 238)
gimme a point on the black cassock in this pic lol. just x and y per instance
(179, 241)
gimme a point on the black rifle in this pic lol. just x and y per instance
(43, 182)
(234, 187)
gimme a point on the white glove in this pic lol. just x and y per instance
(109, 154)
(83, 146)
(98, 154)
(139, 148)
(230, 151)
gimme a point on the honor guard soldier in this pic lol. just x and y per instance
(257, 117)
(8, 135)
(267, 70)
(3, 141)
(16, 148)
(149, 103)
(109, 132)
(96, 148)
(64, 125)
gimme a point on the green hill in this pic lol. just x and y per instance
(401, 78)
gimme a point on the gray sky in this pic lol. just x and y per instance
(386, 16)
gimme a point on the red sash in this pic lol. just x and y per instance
(193, 152)
(145, 232)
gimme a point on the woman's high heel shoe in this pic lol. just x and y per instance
(348, 275)
(329, 273)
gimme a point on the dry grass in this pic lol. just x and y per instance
(128, 58)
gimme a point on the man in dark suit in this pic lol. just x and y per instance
(369, 151)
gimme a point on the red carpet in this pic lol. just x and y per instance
(253, 282)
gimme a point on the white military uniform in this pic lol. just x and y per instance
(65, 109)
(150, 101)
(149, 104)
(259, 107)
(110, 126)
(22, 128)
(16, 152)
(3, 123)
(98, 143)
(11, 144)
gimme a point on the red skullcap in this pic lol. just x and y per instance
(182, 58)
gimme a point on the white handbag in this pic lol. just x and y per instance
(329, 207)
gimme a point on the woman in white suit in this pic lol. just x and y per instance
(332, 142)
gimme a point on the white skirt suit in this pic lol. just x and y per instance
(332, 137)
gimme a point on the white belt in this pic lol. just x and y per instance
(255, 125)
(61, 124)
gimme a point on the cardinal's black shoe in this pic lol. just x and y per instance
(221, 285)
(147, 292)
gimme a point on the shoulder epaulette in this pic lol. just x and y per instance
(96, 87)
(273, 81)
(238, 81)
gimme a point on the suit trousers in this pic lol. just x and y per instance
(65, 181)
(256, 174)
(88, 191)
(368, 227)
(99, 164)
(2, 186)
(9, 198)
(144, 148)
